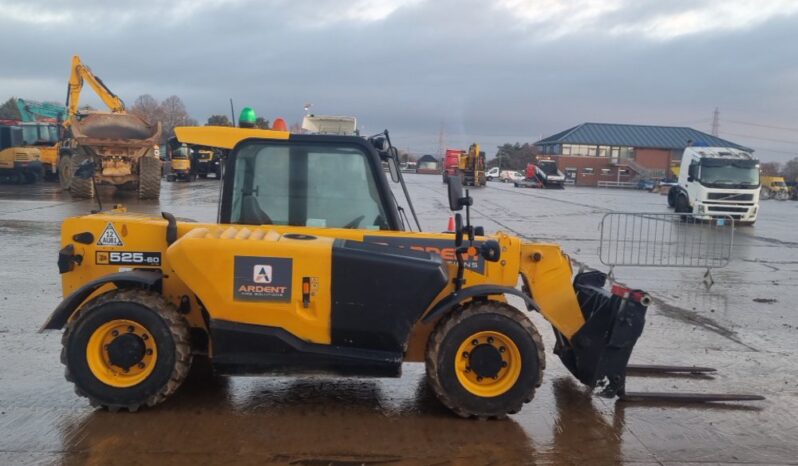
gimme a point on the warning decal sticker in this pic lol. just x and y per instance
(262, 278)
(110, 237)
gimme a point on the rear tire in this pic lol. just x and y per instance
(79, 188)
(149, 177)
(507, 360)
(102, 333)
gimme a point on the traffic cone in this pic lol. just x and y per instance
(451, 224)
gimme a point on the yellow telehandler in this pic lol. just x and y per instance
(313, 268)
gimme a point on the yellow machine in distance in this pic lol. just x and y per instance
(313, 268)
(19, 161)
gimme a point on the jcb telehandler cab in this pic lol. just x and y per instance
(312, 268)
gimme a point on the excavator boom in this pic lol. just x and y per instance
(81, 73)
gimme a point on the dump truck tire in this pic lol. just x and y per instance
(77, 187)
(485, 361)
(65, 170)
(126, 349)
(149, 178)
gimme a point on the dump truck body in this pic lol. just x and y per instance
(116, 142)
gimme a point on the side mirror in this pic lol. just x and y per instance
(85, 170)
(393, 168)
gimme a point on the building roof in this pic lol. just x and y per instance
(427, 158)
(655, 137)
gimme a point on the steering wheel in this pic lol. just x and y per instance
(355, 223)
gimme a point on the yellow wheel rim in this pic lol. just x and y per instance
(487, 364)
(121, 353)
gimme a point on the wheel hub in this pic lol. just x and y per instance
(488, 363)
(121, 353)
(485, 360)
(126, 350)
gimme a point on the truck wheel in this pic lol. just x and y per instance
(683, 207)
(673, 193)
(126, 349)
(149, 177)
(77, 187)
(65, 170)
(485, 361)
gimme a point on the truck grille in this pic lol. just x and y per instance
(731, 197)
(22, 157)
(717, 208)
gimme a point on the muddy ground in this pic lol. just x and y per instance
(746, 326)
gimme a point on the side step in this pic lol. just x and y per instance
(641, 369)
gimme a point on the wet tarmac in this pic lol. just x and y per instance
(746, 325)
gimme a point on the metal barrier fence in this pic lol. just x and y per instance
(665, 240)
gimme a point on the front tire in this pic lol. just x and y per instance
(126, 349)
(485, 361)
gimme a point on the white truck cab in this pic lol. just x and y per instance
(492, 174)
(717, 181)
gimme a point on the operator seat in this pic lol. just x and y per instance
(252, 214)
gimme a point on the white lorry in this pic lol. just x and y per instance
(716, 182)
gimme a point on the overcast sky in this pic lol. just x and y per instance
(487, 71)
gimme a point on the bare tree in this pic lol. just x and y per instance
(147, 108)
(218, 120)
(9, 110)
(173, 114)
(770, 168)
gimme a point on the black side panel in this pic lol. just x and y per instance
(379, 292)
(254, 349)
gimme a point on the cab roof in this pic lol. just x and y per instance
(224, 137)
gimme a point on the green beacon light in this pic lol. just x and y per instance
(247, 118)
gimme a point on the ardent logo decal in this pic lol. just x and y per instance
(262, 278)
(262, 273)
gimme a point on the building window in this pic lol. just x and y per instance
(604, 151)
(615, 152)
(605, 171)
(591, 151)
(587, 171)
(570, 172)
(623, 172)
(627, 152)
(566, 149)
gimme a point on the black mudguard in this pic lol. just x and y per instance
(133, 279)
(478, 291)
(598, 353)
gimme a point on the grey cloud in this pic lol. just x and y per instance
(486, 71)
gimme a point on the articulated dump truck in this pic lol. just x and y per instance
(124, 150)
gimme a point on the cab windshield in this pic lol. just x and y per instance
(39, 134)
(311, 184)
(730, 174)
(180, 153)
